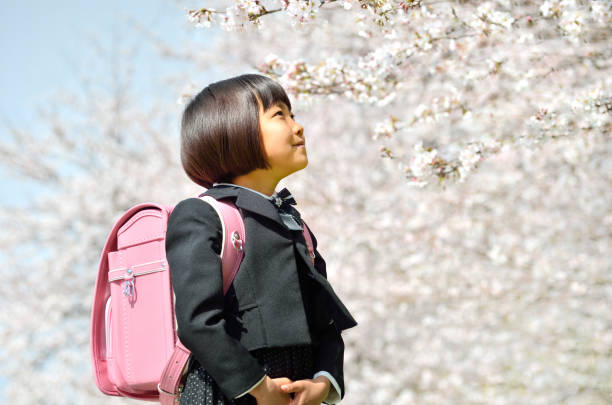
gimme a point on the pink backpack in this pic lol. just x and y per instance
(135, 349)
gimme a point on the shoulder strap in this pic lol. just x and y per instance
(232, 249)
(309, 243)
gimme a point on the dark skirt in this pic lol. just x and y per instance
(294, 362)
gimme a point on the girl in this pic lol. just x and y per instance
(275, 337)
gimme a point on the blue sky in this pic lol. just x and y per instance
(45, 45)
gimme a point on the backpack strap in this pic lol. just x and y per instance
(232, 251)
(309, 243)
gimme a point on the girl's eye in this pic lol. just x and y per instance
(281, 113)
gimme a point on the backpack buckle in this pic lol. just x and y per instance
(128, 285)
(236, 241)
(176, 397)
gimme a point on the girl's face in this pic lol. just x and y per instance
(283, 140)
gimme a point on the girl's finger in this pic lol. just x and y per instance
(297, 400)
(296, 386)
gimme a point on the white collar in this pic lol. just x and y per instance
(269, 197)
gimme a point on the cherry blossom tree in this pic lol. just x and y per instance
(492, 289)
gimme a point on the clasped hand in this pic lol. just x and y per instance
(276, 391)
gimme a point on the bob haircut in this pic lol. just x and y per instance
(220, 135)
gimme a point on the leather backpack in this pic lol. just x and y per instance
(134, 344)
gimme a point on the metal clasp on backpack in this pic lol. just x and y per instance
(236, 241)
(128, 286)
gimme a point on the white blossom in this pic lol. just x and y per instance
(302, 11)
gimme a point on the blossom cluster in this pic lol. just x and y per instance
(301, 11)
(371, 78)
(245, 15)
(488, 19)
(589, 110)
(441, 107)
(574, 16)
(426, 164)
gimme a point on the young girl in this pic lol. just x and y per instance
(275, 337)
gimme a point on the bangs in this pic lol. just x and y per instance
(268, 92)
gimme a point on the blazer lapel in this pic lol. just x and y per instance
(341, 314)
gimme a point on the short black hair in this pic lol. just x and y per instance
(220, 134)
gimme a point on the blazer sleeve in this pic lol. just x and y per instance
(193, 243)
(330, 353)
(330, 358)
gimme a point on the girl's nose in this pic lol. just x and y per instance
(298, 129)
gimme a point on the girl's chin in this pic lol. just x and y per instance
(300, 166)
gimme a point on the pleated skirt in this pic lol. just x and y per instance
(294, 362)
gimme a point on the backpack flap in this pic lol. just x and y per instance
(132, 304)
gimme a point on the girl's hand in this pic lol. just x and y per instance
(270, 393)
(308, 392)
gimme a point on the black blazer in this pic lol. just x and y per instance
(278, 297)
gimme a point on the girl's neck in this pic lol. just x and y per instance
(258, 180)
